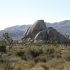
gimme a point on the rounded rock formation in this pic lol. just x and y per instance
(38, 26)
(38, 32)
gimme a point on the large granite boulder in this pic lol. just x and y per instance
(38, 32)
(54, 34)
(48, 35)
(38, 26)
(42, 35)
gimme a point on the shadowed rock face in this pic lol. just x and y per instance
(50, 34)
(38, 31)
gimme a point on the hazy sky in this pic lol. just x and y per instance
(19, 12)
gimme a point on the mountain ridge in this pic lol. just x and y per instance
(17, 31)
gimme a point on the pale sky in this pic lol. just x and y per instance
(20, 12)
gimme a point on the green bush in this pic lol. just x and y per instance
(20, 53)
(36, 44)
(50, 51)
(35, 52)
(2, 48)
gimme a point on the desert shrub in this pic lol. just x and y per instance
(1, 60)
(66, 57)
(3, 42)
(35, 52)
(40, 59)
(56, 63)
(56, 55)
(36, 44)
(20, 53)
(8, 66)
(2, 48)
(50, 50)
(43, 65)
(20, 65)
(27, 57)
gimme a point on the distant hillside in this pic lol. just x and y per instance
(17, 32)
(18, 27)
(63, 26)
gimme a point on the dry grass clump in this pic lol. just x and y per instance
(66, 57)
(39, 68)
(67, 66)
(41, 64)
(56, 63)
(22, 65)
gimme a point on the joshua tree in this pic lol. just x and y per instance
(8, 40)
(68, 39)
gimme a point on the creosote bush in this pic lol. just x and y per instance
(35, 52)
(20, 53)
(50, 51)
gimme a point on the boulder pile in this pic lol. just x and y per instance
(38, 32)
